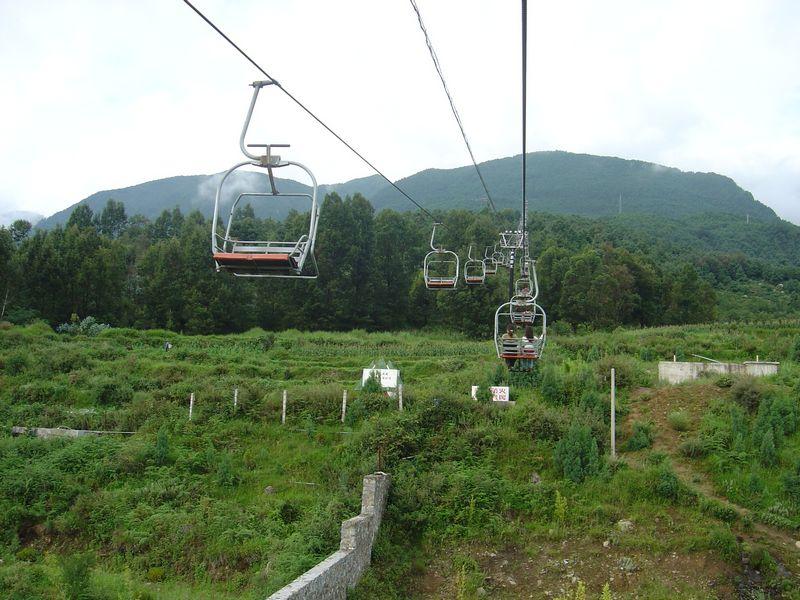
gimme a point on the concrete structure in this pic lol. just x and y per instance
(331, 578)
(46, 432)
(678, 372)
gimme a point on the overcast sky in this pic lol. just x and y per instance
(100, 94)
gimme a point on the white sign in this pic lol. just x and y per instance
(499, 393)
(387, 377)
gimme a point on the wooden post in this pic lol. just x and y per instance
(344, 404)
(235, 398)
(400, 396)
(283, 410)
(613, 413)
(191, 405)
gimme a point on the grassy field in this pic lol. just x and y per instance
(507, 503)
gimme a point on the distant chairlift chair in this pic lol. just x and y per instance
(474, 270)
(440, 267)
(489, 263)
(256, 258)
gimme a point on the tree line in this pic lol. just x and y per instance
(130, 271)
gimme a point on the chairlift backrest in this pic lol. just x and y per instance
(264, 258)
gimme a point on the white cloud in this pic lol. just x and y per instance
(103, 94)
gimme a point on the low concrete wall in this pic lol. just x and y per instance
(678, 372)
(331, 578)
(47, 432)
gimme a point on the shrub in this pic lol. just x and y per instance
(266, 341)
(692, 448)
(75, 571)
(559, 508)
(483, 394)
(747, 392)
(724, 381)
(108, 391)
(791, 483)
(642, 436)
(722, 541)
(16, 363)
(161, 450)
(288, 512)
(540, 421)
(28, 554)
(795, 353)
(372, 385)
(667, 485)
(718, 510)
(767, 454)
(552, 386)
(156, 574)
(227, 476)
(678, 420)
(89, 326)
(5, 325)
(576, 455)
(626, 371)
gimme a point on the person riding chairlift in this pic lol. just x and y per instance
(529, 348)
(509, 335)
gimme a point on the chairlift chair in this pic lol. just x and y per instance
(526, 291)
(262, 258)
(440, 267)
(489, 263)
(474, 270)
(517, 350)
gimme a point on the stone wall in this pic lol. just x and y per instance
(331, 578)
(678, 372)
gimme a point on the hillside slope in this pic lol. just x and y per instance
(519, 501)
(559, 182)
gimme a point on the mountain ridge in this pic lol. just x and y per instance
(559, 182)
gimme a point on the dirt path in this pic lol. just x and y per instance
(656, 405)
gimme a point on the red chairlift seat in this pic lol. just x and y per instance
(260, 260)
(441, 283)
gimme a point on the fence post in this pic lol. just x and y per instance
(235, 398)
(344, 404)
(400, 396)
(613, 413)
(283, 410)
(191, 405)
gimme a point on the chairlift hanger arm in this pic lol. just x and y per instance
(271, 80)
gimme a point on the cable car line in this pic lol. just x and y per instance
(524, 127)
(307, 110)
(438, 66)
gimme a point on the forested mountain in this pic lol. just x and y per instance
(559, 182)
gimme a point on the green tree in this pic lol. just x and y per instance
(692, 300)
(113, 220)
(19, 230)
(81, 216)
(767, 454)
(576, 455)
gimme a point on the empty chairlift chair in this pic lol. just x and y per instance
(489, 263)
(263, 258)
(440, 267)
(474, 270)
